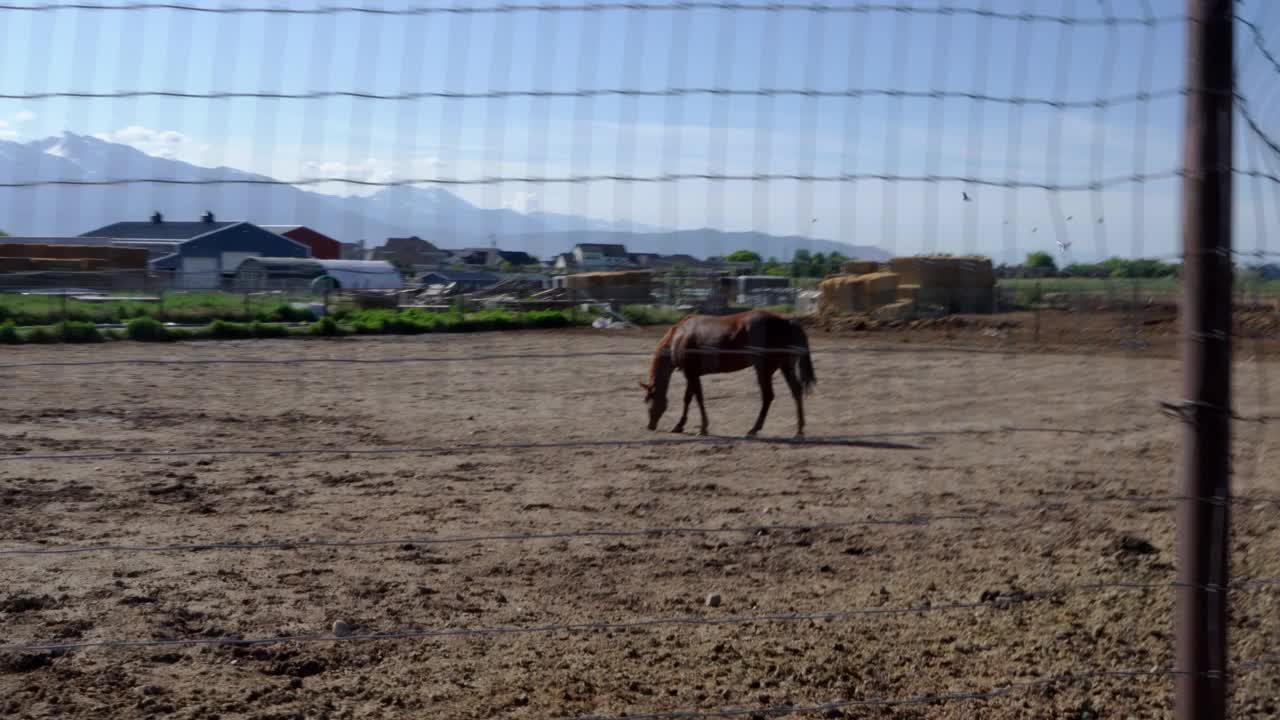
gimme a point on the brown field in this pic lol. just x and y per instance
(1012, 468)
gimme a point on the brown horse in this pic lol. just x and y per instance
(705, 344)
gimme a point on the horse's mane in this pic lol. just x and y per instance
(662, 344)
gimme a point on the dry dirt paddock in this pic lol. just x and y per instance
(971, 500)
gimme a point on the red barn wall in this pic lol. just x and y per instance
(322, 247)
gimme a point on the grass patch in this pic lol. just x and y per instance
(363, 322)
(175, 306)
(650, 315)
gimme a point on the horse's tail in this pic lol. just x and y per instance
(804, 361)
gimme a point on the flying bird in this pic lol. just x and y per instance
(966, 196)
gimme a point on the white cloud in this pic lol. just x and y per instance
(6, 132)
(24, 116)
(168, 144)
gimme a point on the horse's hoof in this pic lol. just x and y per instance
(677, 430)
(702, 433)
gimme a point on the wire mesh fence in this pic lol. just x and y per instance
(982, 526)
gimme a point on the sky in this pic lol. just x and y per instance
(744, 49)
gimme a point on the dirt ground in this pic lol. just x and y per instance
(983, 512)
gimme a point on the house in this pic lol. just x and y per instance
(466, 281)
(317, 275)
(322, 246)
(353, 251)
(198, 254)
(410, 252)
(644, 260)
(588, 257)
(492, 258)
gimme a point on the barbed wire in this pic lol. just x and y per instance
(1000, 601)
(1148, 20)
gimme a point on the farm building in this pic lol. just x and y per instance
(322, 246)
(755, 290)
(410, 252)
(465, 280)
(267, 273)
(198, 254)
(492, 257)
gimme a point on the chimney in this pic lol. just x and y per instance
(157, 218)
(207, 217)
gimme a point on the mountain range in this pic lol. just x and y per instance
(433, 213)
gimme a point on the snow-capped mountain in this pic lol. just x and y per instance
(433, 213)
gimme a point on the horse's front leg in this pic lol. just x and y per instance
(764, 374)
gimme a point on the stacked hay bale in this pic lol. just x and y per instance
(858, 293)
(623, 286)
(859, 267)
(958, 284)
(91, 257)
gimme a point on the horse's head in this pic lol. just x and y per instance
(656, 403)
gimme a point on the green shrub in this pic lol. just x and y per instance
(9, 334)
(41, 335)
(223, 330)
(326, 326)
(147, 329)
(268, 330)
(79, 332)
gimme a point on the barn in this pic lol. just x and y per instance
(200, 253)
(322, 246)
(316, 275)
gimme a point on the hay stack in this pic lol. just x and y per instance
(620, 286)
(104, 256)
(858, 293)
(859, 267)
(961, 284)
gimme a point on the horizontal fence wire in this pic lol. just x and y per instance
(924, 698)
(1109, 19)
(851, 93)
(1010, 184)
(1013, 599)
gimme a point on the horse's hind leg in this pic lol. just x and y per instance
(764, 374)
(789, 374)
(690, 384)
(696, 382)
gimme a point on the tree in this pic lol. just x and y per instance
(1041, 261)
(750, 256)
(3, 234)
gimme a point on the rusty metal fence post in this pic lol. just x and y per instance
(1200, 686)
